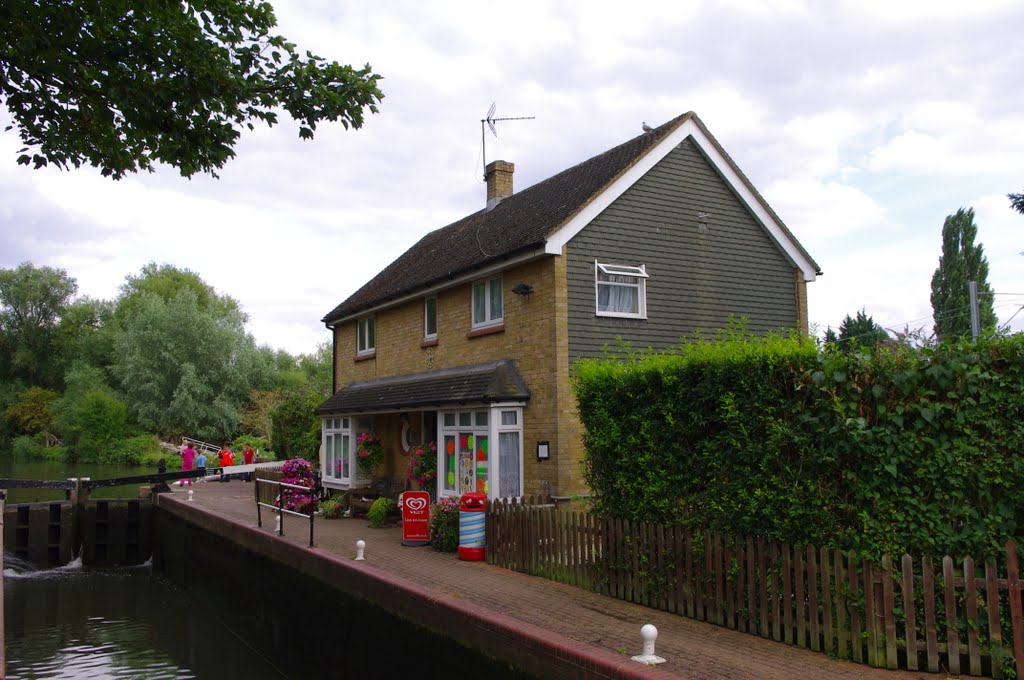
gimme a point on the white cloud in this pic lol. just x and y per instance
(824, 211)
(862, 123)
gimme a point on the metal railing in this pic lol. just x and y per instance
(278, 504)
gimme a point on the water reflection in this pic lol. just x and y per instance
(11, 468)
(72, 622)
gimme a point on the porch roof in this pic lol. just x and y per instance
(477, 384)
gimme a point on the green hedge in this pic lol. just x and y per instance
(903, 450)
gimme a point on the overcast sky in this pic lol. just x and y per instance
(862, 124)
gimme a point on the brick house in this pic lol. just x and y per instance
(468, 339)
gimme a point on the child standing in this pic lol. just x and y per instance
(201, 462)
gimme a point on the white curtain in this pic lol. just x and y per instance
(509, 483)
(623, 299)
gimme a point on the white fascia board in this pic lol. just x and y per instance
(468, 406)
(688, 129)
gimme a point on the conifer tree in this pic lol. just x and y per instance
(960, 263)
(861, 331)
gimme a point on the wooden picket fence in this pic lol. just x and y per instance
(912, 614)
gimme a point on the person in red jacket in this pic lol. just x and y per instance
(227, 459)
(248, 457)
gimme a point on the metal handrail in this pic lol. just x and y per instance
(278, 505)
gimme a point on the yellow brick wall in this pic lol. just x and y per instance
(801, 302)
(535, 337)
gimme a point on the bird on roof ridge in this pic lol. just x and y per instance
(647, 128)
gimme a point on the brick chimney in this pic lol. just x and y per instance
(499, 182)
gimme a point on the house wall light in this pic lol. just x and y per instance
(523, 289)
(543, 450)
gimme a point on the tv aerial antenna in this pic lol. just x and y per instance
(490, 120)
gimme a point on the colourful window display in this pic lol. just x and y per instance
(466, 455)
(449, 463)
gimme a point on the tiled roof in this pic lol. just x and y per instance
(519, 222)
(478, 384)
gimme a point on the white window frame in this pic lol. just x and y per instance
(639, 273)
(427, 335)
(499, 429)
(491, 431)
(366, 335)
(491, 318)
(334, 428)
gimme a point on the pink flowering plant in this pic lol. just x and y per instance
(444, 524)
(423, 464)
(369, 452)
(298, 471)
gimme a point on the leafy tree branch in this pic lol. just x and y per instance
(99, 82)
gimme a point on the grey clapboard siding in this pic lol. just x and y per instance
(696, 280)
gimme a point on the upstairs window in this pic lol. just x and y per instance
(487, 303)
(366, 340)
(621, 290)
(430, 318)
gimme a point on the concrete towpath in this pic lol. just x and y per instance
(570, 617)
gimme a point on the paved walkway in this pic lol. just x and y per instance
(692, 649)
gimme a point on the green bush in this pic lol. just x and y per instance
(34, 448)
(379, 510)
(332, 507)
(96, 423)
(901, 450)
(143, 449)
(260, 445)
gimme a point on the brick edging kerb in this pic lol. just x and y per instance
(528, 647)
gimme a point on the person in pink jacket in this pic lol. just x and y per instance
(188, 460)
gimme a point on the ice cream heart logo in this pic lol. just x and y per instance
(416, 504)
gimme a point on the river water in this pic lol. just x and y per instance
(125, 623)
(74, 623)
(93, 624)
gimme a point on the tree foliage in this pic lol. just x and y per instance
(33, 412)
(32, 303)
(169, 355)
(960, 263)
(256, 417)
(121, 86)
(861, 331)
(90, 417)
(295, 424)
(166, 282)
(183, 369)
(1017, 202)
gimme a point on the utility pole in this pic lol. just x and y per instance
(3, 640)
(975, 317)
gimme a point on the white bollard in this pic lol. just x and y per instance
(277, 523)
(190, 494)
(360, 549)
(649, 634)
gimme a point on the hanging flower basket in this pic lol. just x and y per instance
(369, 452)
(423, 464)
(298, 471)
